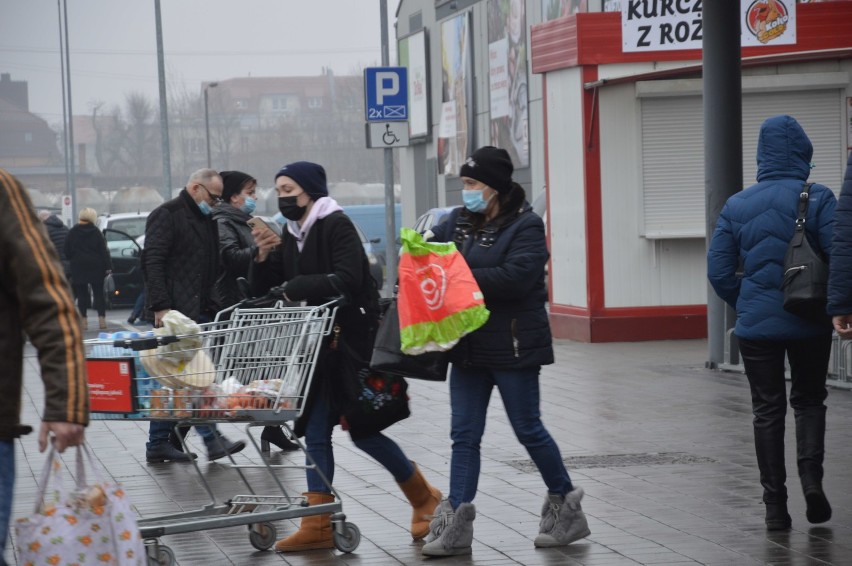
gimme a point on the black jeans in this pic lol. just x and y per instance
(764, 366)
(81, 293)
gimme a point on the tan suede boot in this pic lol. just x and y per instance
(423, 498)
(314, 532)
(102, 322)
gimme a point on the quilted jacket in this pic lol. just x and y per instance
(840, 276)
(507, 258)
(180, 261)
(756, 225)
(35, 301)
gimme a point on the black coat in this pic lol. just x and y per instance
(86, 250)
(58, 233)
(236, 251)
(840, 276)
(180, 261)
(507, 258)
(331, 247)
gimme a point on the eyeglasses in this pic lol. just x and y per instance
(217, 199)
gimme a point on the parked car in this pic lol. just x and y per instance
(126, 256)
(431, 218)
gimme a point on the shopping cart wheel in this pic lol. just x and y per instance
(348, 540)
(262, 535)
(165, 557)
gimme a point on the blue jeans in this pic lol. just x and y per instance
(470, 391)
(158, 432)
(318, 444)
(7, 484)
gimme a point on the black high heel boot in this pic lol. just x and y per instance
(275, 435)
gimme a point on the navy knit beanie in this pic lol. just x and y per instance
(309, 176)
(490, 165)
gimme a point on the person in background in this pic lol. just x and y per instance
(58, 233)
(35, 301)
(88, 254)
(840, 269)
(320, 245)
(503, 242)
(180, 263)
(236, 252)
(745, 266)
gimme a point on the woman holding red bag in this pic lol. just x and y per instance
(503, 242)
(318, 247)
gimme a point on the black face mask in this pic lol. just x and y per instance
(289, 208)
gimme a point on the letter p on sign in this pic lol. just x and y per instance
(387, 84)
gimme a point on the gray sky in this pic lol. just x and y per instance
(113, 44)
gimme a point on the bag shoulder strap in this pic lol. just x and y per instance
(801, 214)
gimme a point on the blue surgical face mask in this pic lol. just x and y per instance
(205, 208)
(279, 218)
(249, 205)
(473, 200)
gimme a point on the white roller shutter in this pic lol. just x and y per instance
(673, 151)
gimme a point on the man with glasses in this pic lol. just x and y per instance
(180, 264)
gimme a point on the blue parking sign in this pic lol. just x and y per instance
(386, 94)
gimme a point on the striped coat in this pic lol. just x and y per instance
(36, 301)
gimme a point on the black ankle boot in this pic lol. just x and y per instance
(275, 435)
(777, 518)
(818, 510)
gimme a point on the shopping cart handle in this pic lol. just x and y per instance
(147, 343)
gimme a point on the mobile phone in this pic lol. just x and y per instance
(264, 223)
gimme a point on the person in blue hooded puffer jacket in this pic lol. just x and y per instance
(840, 270)
(752, 234)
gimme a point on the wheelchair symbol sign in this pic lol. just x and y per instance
(387, 135)
(386, 93)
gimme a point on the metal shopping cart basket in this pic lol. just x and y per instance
(251, 365)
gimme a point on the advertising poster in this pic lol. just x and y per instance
(768, 22)
(552, 9)
(412, 54)
(507, 66)
(455, 129)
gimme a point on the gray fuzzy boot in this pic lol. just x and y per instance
(562, 521)
(450, 532)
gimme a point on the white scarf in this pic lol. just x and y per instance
(322, 207)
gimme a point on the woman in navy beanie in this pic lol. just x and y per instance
(319, 247)
(503, 242)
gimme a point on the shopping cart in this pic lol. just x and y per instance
(251, 365)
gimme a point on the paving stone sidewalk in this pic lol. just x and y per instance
(661, 446)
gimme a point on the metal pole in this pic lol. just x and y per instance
(64, 105)
(73, 186)
(390, 205)
(164, 111)
(207, 122)
(723, 152)
(207, 127)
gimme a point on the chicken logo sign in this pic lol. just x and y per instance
(769, 22)
(433, 285)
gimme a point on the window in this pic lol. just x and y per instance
(315, 102)
(241, 104)
(279, 103)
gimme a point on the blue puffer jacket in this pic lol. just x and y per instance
(755, 227)
(840, 277)
(507, 258)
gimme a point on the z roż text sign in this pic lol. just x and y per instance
(386, 94)
(660, 25)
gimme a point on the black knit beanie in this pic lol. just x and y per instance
(490, 165)
(233, 182)
(309, 176)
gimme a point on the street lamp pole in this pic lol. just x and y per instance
(207, 121)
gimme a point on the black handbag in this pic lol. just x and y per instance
(805, 283)
(369, 401)
(388, 357)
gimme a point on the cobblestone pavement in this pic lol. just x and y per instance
(661, 446)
